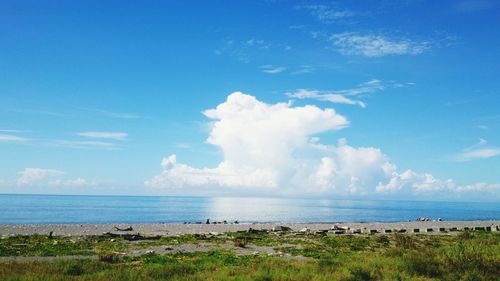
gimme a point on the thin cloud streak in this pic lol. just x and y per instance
(104, 135)
(11, 138)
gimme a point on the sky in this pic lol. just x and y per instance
(336, 99)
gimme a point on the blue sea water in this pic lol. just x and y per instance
(45, 209)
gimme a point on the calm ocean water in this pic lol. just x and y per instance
(44, 209)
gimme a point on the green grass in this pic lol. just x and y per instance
(42, 245)
(468, 256)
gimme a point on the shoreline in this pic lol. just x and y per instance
(167, 229)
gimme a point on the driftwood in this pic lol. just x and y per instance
(123, 229)
(133, 237)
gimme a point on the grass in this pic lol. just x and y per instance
(468, 256)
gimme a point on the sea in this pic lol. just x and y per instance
(69, 209)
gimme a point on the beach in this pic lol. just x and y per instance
(430, 227)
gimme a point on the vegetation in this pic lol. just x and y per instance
(468, 256)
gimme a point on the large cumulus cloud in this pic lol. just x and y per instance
(276, 148)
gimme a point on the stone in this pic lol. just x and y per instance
(281, 228)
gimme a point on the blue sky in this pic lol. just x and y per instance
(94, 94)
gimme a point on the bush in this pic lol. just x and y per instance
(74, 268)
(404, 241)
(108, 257)
(240, 242)
(422, 263)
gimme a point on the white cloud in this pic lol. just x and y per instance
(275, 148)
(11, 138)
(78, 182)
(477, 151)
(33, 175)
(304, 69)
(427, 184)
(376, 45)
(111, 114)
(258, 142)
(14, 131)
(331, 97)
(480, 153)
(418, 182)
(483, 127)
(472, 6)
(39, 177)
(85, 144)
(270, 69)
(343, 96)
(104, 135)
(326, 14)
(368, 87)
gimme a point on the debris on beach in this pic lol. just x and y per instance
(281, 228)
(129, 228)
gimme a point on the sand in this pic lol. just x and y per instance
(176, 229)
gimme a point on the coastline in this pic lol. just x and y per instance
(429, 227)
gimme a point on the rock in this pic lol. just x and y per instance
(150, 252)
(129, 228)
(336, 227)
(303, 230)
(214, 233)
(252, 230)
(281, 228)
(255, 253)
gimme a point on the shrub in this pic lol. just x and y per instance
(108, 257)
(404, 241)
(422, 263)
(240, 242)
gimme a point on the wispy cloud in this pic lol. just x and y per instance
(85, 144)
(247, 49)
(482, 127)
(303, 69)
(14, 131)
(344, 96)
(369, 45)
(183, 145)
(477, 151)
(49, 177)
(327, 14)
(104, 135)
(78, 182)
(31, 175)
(473, 6)
(317, 95)
(11, 138)
(111, 114)
(368, 87)
(42, 112)
(271, 69)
